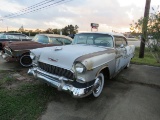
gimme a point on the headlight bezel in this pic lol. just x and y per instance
(32, 56)
(79, 68)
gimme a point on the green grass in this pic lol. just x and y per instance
(26, 102)
(147, 60)
(6, 79)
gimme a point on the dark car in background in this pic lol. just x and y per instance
(19, 50)
(11, 37)
(71, 35)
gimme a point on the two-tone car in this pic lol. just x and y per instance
(11, 37)
(82, 67)
(19, 51)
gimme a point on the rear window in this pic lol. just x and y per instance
(41, 39)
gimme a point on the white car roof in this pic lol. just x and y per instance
(109, 33)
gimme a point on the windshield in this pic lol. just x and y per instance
(94, 39)
(2, 36)
(13, 36)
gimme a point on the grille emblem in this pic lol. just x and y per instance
(53, 60)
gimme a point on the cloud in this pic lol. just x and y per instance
(58, 23)
(10, 7)
(110, 14)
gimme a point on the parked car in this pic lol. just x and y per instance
(11, 37)
(72, 36)
(19, 51)
(82, 68)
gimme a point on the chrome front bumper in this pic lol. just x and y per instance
(5, 56)
(1, 52)
(60, 83)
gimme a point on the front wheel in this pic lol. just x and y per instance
(98, 86)
(128, 65)
(25, 60)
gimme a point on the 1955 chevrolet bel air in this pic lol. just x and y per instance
(82, 67)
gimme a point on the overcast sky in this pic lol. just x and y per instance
(109, 14)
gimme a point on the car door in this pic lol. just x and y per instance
(121, 52)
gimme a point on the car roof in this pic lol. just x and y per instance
(12, 33)
(109, 33)
(56, 35)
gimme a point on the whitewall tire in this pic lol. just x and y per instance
(25, 60)
(98, 86)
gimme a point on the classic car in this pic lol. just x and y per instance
(19, 51)
(82, 67)
(11, 37)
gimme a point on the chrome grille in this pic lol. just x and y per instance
(56, 70)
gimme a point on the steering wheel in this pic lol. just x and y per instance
(106, 43)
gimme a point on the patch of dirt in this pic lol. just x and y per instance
(15, 79)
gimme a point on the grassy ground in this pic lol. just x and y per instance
(21, 100)
(147, 60)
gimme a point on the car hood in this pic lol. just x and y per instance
(64, 56)
(26, 45)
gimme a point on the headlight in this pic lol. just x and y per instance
(32, 56)
(80, 68)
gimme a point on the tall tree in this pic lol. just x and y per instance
(152, 41)
(144, 29)
(70, 29)
(21, 29)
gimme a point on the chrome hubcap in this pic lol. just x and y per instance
(98, 86)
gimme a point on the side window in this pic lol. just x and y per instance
(13, 37)
(66, 41)
(23, 37)
(42, 39)
(16, 37)
(119, 41)
(56, 41)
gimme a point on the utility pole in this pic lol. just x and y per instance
(144, 29)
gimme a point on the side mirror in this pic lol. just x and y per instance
(121, 46)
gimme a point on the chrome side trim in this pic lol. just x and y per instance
(103, 64)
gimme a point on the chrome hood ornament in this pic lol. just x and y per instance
(53, 60)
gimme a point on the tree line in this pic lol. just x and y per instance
(67, 30)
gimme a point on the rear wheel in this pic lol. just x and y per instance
(99, 83)
(25, 60)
